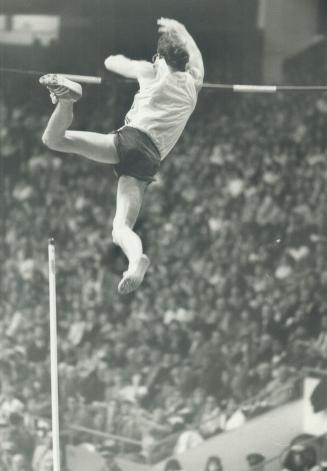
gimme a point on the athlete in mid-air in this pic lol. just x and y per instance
(167, 96)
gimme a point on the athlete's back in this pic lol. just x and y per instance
(163, 105)
(168, 87)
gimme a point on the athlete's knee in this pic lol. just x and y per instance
(45, 139)
(50, 141)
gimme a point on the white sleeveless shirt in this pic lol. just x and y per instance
(162, 106)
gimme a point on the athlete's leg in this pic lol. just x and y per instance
(99, 147)
(130, 194)
(94, 146)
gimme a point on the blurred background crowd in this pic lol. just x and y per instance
(233, 308)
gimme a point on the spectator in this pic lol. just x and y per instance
(38, 350)
(42, 457)
(7, 452)
(108, 453)
(210, 419)
(20, 463)
(8, 402)
(256, 461)
(297, 459)
(214, 464)
(21, 436)
(173, 465)
(322, 466)
(186, 441)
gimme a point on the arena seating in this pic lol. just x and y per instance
(235, 227)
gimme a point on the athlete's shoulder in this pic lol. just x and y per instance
(188, 84)
(145, 71)
(197, 75)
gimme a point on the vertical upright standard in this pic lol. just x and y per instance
(54, 355)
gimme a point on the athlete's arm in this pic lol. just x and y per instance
(129, 68)
(195, 64)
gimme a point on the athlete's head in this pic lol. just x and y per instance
(172, 49)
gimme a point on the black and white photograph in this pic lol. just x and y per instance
(163, 235)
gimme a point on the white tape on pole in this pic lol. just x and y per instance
(255, 88)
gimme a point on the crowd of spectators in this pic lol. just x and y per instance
(233, 304)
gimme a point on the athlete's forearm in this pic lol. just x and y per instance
(129, 68)
(121, 65)
(193, 50)
(191, 45)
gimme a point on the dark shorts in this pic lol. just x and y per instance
(139, 157)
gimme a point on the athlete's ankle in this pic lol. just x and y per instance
(133, 263)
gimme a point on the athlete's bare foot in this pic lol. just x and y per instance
(133, 277)
(61, 88)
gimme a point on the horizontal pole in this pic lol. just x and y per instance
(221, 86)
(87, 79)
(239, 88)
(265, 88)
(302, 88)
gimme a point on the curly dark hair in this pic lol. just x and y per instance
(172, 49)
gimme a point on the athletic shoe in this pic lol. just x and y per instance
(61, 88)
(133, 277)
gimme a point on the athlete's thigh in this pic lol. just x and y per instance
(130, 192)
(94, 146)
